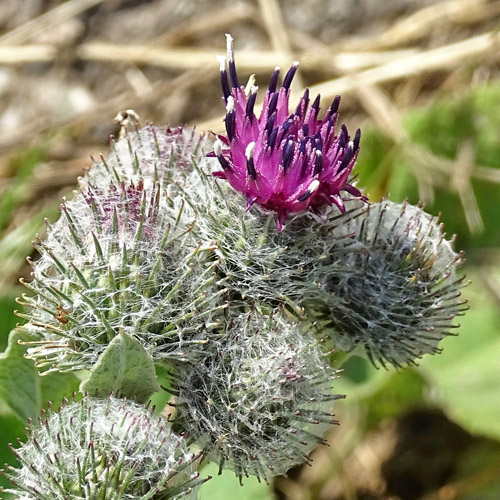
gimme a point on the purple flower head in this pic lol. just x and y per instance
(286, 162)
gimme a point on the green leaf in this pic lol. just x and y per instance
(401, 391)
(19, 384)
(22, 184)
(466, 375)
(359, 378)
(160, 399)
(7, 318)
(12, 428)
(124, 367)
(227, 485)
(22, 390)
(18, 243)
(56, 386)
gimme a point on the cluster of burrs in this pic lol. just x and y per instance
(234, 287)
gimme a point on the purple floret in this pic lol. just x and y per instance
(284, 162)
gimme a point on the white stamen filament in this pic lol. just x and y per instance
(250, 85)
(230, 49)
(313, 186)
(222, 62)
(218, 147)
(249, 150)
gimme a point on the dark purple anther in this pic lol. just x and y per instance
(274, 80)
(270, 123)
(331, 125)
(234, 76)
(250, 105)
(286, 126)
(287, 81)
(315, 105)
(251, 168)
(343, 137)
(357, 138)
(318, 163)
(318, 143)
(273, 103)
(231, 64)
(347, 158)
(224, 163)
(288, 153)
(226, 92)
(302, 107)
(272, 138)
(334, 107)
(230, 121)
(250, 164)
(309, 192)
(218, 152)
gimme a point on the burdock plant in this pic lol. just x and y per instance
(231, 279)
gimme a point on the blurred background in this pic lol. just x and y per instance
(422, 80)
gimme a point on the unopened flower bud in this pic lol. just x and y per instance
(398, 292)
(121, 258)
(260, 401)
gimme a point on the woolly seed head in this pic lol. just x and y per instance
(260, 401)
(98, 448)
(400, 291)
(120, 258)
(286, 163)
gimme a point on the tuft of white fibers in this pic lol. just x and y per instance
(400, 292)
(152, 154)
(261, 398)
(103, 448)
(121, 258)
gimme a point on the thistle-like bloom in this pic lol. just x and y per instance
(98, 448)
(260, 400)
(399, 291)
(285, 162)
